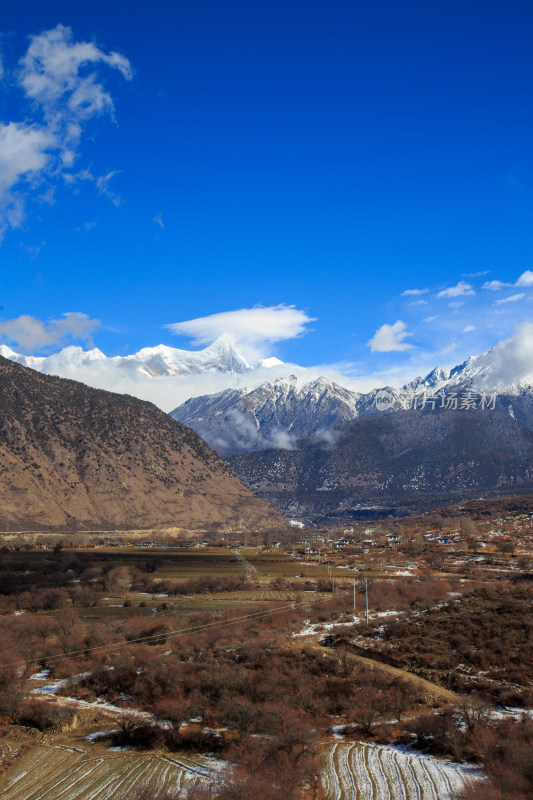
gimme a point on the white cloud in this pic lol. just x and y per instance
(64, 94)
(456, 304)
(24, 152)
(169, 391)
(514, 298)
(452, 346)
(158, 219)
(511, 360)
(34, 250)
(462, 288)
(29, 333)
(430, 319)
(495, 286)
(51, 75)
(102, 184)
(252, 328)
(390, 338)
(414, 292)
(507, 363)
(419, 303)
(525, 279)
(469, 328)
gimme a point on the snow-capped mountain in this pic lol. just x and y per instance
(280, 412)
(275, 414)
(150, 362)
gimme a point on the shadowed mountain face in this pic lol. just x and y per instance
(274, 414)
(70, 454)
(397, 462)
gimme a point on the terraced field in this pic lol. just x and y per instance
(362, 771)
(71, 773)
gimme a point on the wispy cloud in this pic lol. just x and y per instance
(450, 348)
(59, 79)
(252, 328)
(102, 184)
(525, 279)
(459, 290)
(390, 338)
(414, 292)
(514, 298)
(159, 220)
(34, 250)
(495, 286)
(88, 226)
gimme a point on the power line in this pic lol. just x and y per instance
(174, 633)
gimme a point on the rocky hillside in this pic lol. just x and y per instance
(73, 456)
(394, 463)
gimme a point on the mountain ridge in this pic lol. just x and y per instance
(288, 408)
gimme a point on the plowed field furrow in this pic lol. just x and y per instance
(363, 771)
(398, 783)
(56, 773)
(350, 774)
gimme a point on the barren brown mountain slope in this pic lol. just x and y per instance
(72, 455)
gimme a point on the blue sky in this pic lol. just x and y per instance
(225, 156)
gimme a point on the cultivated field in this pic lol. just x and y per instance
(362, 771)
(72, 773)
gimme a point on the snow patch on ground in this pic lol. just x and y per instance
(42, 675)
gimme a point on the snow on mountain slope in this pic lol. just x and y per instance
(274, 414)
(278, 413)
(241, 405)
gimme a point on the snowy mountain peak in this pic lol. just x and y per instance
(222, 356)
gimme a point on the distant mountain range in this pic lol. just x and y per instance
(321, 453)
(74, 457)
(280, 412)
